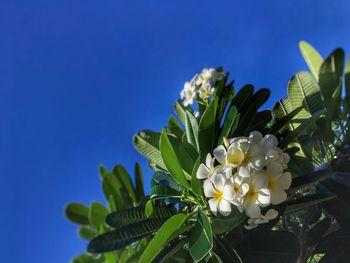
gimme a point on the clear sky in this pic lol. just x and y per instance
(79, 77)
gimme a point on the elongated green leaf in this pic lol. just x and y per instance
(85, 258)
(260, 120)
(201, 237)
(347, 83)
(171, 161)
(196, 184)
(97, 214)
(77, 213)
(111, 186)
(301, 128)
(147, 143)
(168, 231)
(228, 124)
(222, 224)
(164, 184)
(126, 182)
(139, 192)
(191, 125)
(312, 57)
(307, 201)
(86, 232)
(320, 174)
(330, 75)
(174, 127)
(284, 117)
(137, 214)
(180, 111)
(124, 236)
(242, 97)
(170, 255)
(303, 91)
(207, 130)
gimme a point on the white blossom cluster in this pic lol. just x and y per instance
(201, 85)
(250, 173)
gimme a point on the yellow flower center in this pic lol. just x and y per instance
(272, 184)
(235, 156)
(252, 194)
(218, 195)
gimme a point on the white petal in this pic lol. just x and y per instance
(270, 141)
(220, 154)
(253, 210)
(234, 156)
(255, 137)
(274, 169)
(259, 180)
(256, 150)
(285, 180)
(258, 162)
(213, 205)
(209, 190)
(244, 189)
(208, 160)
(202, 172)
(224, 207)
(243, 171)
(271, 214)
(278, 196)
(264, 197)
(272, 153)
(228, 192)
(218, 181)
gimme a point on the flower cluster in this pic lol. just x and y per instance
(250, 173)
(202, 85)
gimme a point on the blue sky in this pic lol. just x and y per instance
(79, 78)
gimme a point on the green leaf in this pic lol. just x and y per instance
(85, 258)
(208, 126)
(228, 124)
(284, 117)
(201, 237)
(312, 57)
(196, 184)
(123, 236)
(164, 184)
(330, 75)
(347, 83)
(306, 201)
(111, 186)
(77, 213)
(243, 96)
(222, 224)
(168, 231)
(285, 108)
(191, 125)
(147, 143)
(137, 214)
(126, 182)
(174, 127)
(260, 120)
(97, 214)
(180, 111)
(86, 232)
(171, 161)
(139, 192)
(303, 91)
(315, 176)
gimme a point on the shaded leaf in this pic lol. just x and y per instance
(312, 57)
(77, 213)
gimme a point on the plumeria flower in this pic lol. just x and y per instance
(219, 194)
(254, 222)
(283, 158)
(239, 187)
(206, 170)
(188, 94)
(257, 196)
(205, 91)
(278, 182)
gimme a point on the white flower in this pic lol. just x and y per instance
(219, 193)
(283, 158)
(206, 170)
(254, 222)
(205, 91)
(278, 182)
(257, 196)
(238, 188)
(188, 94)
